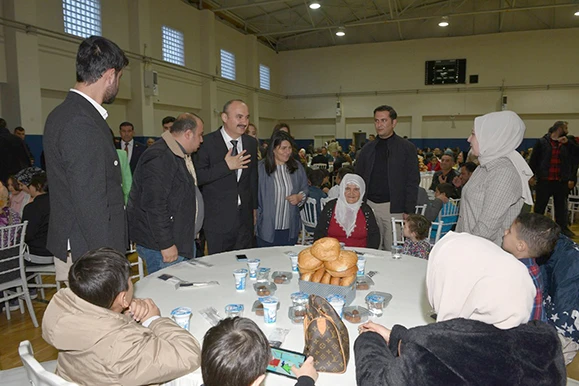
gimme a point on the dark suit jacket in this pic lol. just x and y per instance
(219, 185)
(138, 150)
(13, 155)
(86, 198)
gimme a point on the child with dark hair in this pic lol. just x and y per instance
(531, 236)
(445, 192)
(236, 353)
(416, 236)
(105, 335)
(316, 179)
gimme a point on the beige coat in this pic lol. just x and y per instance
(98, 346)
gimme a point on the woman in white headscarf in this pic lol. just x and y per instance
(496, 191)
(483, 297)
(348, 218)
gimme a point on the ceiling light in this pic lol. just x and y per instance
(341, 32)
(576, 13)
(315, 5)
(444, 22)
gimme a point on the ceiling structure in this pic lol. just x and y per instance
(292, 24)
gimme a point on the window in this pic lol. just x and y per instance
(227, 65)
(264, 77)
(82, 17)
(173, 46)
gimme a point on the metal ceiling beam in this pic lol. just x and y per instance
(249, 5)
(421, 18)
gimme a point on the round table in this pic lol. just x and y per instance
(403, 278)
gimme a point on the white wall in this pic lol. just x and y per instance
(538, 67)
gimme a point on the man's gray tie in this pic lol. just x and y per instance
(234, 143)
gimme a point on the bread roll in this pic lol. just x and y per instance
(326, 278)
(335, 280)
(306, 276)
(317, 276)
(346, 260)
(307, 262)
(326, 249)
(348, 272)
(348, 280)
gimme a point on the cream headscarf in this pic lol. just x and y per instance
(473, 278)
(499, 134)
(346, 213)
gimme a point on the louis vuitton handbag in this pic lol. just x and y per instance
(326, 337)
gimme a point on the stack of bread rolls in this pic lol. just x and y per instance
(324, 262)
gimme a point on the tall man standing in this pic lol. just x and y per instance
(86, 198)
(133, 148)
(226, 168)
(165, 208)
(389, 166)
(552, 163)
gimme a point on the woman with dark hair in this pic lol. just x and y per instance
(283, 188)
(37, 213)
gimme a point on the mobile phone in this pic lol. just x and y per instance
(241, 257)
(282, 361)
(165, 276)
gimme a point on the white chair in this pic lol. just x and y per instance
(309, 218)
(44, 266)
(573, 203)
(319, 166)
(397, 231)
(426, 179)
(12, 248)
(324, 201)
(438, 234)
(140, 267)
(550, 209)
(420, 209)
(37, 375)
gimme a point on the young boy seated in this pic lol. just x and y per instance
(105, 336)
(236, 353)
(531, 236)
(444, 192)
(416, 236)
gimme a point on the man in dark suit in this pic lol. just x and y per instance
(226, 167)
(13, 155)
(86, 198)
(133, 148)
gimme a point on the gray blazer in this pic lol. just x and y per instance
(84, 173)
(266, 202)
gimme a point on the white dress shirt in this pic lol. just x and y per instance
(229, 145)
(102, 111)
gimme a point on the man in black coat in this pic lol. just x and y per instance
(86, 198)
(226, 167)
(13, 154)
(552, 161)
(133, 148)
(389, 166)
(165, 209)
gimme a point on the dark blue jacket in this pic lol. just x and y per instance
(561, 288)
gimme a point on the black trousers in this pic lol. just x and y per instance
(559, 191)
(240, 237)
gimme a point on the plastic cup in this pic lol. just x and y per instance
(253, 265)
(294, 259)
(263, 274)
(396, 252)
(182, 316)
(337, 302)
(233, 310)
(375, 304)
(269, 309)
(361, 266)
(240, 275)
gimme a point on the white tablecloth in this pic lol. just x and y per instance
(404, 279)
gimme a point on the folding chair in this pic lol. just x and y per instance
(38, 375)
(309, 218)
(43, 266)
(397, 231)
(13, 281)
